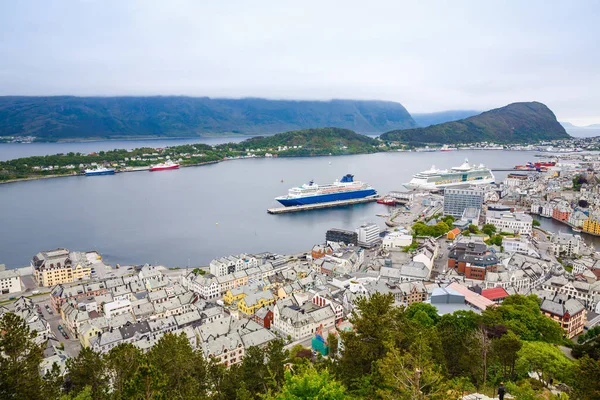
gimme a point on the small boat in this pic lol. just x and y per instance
(388, 201)
(164, 166)
(576, 229)
(100, 171)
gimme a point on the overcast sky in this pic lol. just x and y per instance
(429, 57)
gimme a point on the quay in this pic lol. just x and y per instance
(317, 206)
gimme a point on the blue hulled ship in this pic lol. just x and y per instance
(310, 193)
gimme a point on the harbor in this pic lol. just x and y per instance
(317, 206)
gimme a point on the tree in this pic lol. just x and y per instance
(535, 222)
(254, 371)
(458, 352)
(184, 369)
(375, 322)
(488, 229)
(147, 383)
(333, 343)
(545, 359)
(587, 386)
(20, 358)
(412, 374)
(423, 313)
(88, 369)
(473, 228)
(311, 384)
(276, 359)
(122, 363)
(505, 350)
(52, 383)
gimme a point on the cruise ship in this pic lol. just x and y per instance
(99, 171)
(310, 193)
(441, 178)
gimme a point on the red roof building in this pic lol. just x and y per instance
(497, 294)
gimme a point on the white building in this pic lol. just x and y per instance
(117, 307)
(228, 265)
(566, 243)
(301, 322)
(10, 281)
(368, 234)
(396, 240)
(510, 222)
(206, 286)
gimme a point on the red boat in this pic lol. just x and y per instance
(164, 166)
(388, 201)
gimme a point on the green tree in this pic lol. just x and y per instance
(311, 384)
(423, 313)
(505, 350)
(20, 358)
(122, 363)
(545, 359)
(147, 383)
(88, 369)
(412, 374)
(184, 368)
(276, 359)
(52, 383)
(333, 343)
(488, 229)
(587, 385)
(535, 222)
(458, 352)
(473, 228)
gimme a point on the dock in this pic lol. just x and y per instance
(317, 206)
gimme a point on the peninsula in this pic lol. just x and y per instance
(515, 123)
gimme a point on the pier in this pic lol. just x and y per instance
(317, 206)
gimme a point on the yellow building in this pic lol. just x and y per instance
(234, 295)
(87, 332)
(55, 267)
(592, 225)
(249, 304)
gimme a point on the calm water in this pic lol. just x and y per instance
(9, 151)
(551, 225)
(200, 213)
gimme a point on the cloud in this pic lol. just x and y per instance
(430, 57)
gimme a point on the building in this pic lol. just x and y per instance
(396, 240)
(10, 281)
(566, 244)
(570, 314)
(510, 222)
(368, 234)
(497, 294)
(472, 259)
(341, 235)
(457, 199)
(562, 212)
(117, 307)
(592, 225)
(229, 265)
(52, 267)
(453, 234)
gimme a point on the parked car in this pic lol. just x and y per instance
(65, 335)
(60, 328)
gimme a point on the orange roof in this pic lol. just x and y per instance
(472, 298)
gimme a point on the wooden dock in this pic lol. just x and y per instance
(317, 206)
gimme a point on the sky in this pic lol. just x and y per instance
(428, 55)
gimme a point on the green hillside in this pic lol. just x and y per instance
(514, 123)
(68, 118)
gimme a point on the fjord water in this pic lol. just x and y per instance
(193, 215)
(10, 151)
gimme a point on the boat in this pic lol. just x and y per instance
(164, 166)
(100, 171)
(446, 148)
(388, 201)
(434, 179)
(538, 166)
(311, 193)
(575, 229)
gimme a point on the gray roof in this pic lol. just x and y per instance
(258, 338)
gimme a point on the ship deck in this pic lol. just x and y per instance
(317, 206)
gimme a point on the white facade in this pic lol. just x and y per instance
(566, 243)
(368, 233)
(510, 222)
(10, 282)
(228, 265)
(396, 240)
(117, 307)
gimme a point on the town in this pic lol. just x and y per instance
(466, 249)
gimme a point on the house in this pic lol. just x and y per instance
(10, 281)
(570, 314)
(252, 302)
(566, 244)
(301, 322)
(55, 267)
(453, 234)
(472, 259)
(264, 317)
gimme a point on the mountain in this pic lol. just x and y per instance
(514, 123)
(312, 142)
(67, 117)
(570, 125)
(427, 119)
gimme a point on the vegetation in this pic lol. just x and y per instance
(309, 142)
(439, 229)
(392, 353)
(578, 181)
(514, 123)
(535, 222)
(68, 117)
(589, 334)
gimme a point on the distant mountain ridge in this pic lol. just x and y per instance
(68, 117)
(514, 123)
(570, 125)
(424, 120)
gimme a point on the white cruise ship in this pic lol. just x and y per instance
(441, 178)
